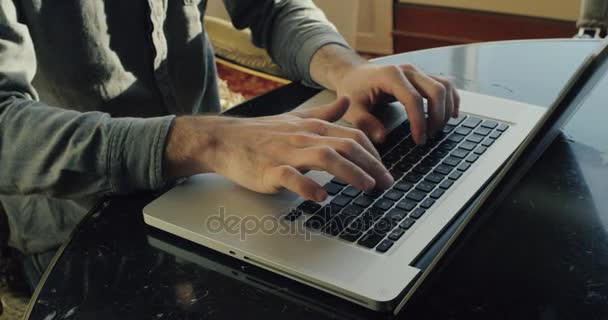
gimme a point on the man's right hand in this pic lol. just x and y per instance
(267, 154)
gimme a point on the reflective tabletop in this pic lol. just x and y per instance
(541, 252)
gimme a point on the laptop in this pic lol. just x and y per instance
(372, 248)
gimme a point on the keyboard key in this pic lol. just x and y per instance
(475, 138)
(455, 137)
(456, 121)
(407, 223)
(495, 134)
(430, 161)
(468, 145)
(338, 224)
(487, 142)
(341, 200)
(446, 184)
(422, 169)
(427, 203)
(472, 158)
(439, 153)
(390, 159)
(374, 213)
(393, 195)
(489, 124)
(396, 234)
(315, 222)
(464, 166)
(309, 207)
(364, 201)
(471, 122)
(333, 188)
(463, 131)
(480, 150)
(443, 169)
(437, 193)
(448, 145)
(448, 128)
(351, 235)
(293, 214)
(396, 174)
(384, 226)
(403, 186)
(451, 161)
(374, 193)
(417, 213)
(407, 205)
(425, 186)
(352, 210)
(384, 246)
(403, 166)
(329, 211)
(411, 159)
(460, 153)
(416, 195)
(413, 177)
(351, 191)
(396, 214)
(339, 181)
(502, 127)
(433, 177)
(483, 131)
(383, 204)
(455, 175)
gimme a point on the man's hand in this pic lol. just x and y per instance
(340, 69)
(267, 154)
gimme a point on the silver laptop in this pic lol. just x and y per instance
(366, 247)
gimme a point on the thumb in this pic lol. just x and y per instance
(330, 112)
(368, 123)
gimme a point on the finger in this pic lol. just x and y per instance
(327, 159)
(336, 130)
(291, 179)
(434, 92)
(449, 102)
(331, 112)
(397, 85)
(354, 152)
(456, 98)
(368, 123)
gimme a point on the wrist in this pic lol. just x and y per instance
(332, 63)
(191, 147)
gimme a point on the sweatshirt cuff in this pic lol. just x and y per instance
(136, 151)
(309, 47)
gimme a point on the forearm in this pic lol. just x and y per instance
(69, 154)
(331, 63)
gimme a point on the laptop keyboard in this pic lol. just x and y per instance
(423, 174)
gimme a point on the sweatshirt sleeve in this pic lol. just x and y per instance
(61, 153)
(290, 30)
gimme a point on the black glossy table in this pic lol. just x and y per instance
(539, 253)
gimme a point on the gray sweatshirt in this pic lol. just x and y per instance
(88, 90)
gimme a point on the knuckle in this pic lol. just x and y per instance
(300, 138)
(316, 125)
(359, 136)
(284, 173)
(349, 146)
(409, 67)
(325, 154)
